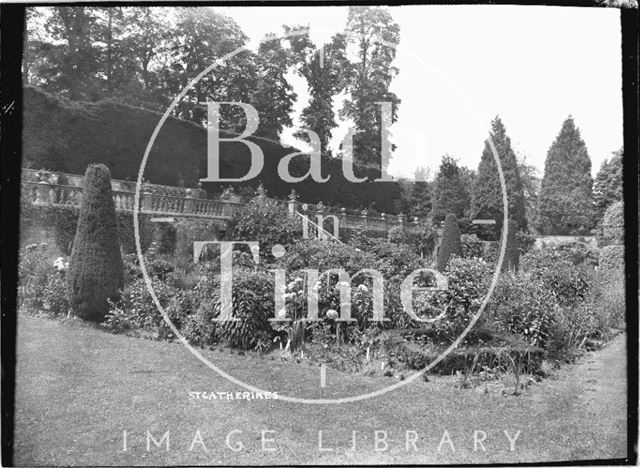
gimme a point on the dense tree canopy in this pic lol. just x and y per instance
(375, 35)
(566, 201)
(451, 192)
(607, 188)
(487, 200)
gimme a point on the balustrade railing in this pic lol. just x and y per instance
(191, 205)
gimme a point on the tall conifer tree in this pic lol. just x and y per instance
(566, 199)
(487, 190)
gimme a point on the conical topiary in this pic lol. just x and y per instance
(95, 269)
(511, 252)
(450, 244)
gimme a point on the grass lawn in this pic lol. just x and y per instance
(78, 388)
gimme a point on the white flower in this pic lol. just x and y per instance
(282, 313)
(60, 264)
(290, 296)
(363, 288)
(332, 314)
(291, 286)
(298, 280)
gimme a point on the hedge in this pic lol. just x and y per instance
(62, 135)
(96, 271)
(64, 221)
(612, 257)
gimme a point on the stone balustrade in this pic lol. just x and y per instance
(45, 190)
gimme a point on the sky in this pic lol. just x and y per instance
(461, 65)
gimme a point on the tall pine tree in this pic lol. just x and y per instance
(451, 194)
(487, 191)
(566, 199)
(607, 188)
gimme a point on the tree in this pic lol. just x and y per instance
(566, 201)
(325, 71)
(420, 201)
(530, 188)
(375, 34)
(96, 268)
(273, 97)
(512, 252)
(487, 200)
(451, 193)
(67, 50)
(200, 37)
(612, 228)
(451, 244)
(607, 187)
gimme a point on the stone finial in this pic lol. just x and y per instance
(260, 191)
(320, 206)
(293, 196)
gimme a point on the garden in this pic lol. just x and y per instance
(549, 304)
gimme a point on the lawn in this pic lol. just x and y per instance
(79, 388)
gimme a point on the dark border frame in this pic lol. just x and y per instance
(12, 26)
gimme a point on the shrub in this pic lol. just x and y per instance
(253, 305)
(159, 268)
(471, 246)
(468, 284)
(578, 253)
(135, 309)
(511, 252)
(450, 244)
(54, 296)
(95, 270)
(190, 230)
(266, 221)
(64, 220)
(525, 241)
(612, 229)
(612, 257)
(424, 239)
(396, 235)
(523, 306)
(312, 253)
(166, 243)
(34, 270)
(568, 283)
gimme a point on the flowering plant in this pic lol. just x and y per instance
(61, 265)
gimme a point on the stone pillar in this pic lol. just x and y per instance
(292, 203)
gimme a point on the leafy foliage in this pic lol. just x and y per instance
(607, 187)
(253, 305)
(95, 269)
(566, 202)
(371, 29)
(471, 246)
(451, 193)
(450, 244)
(567, 282)
(522, 305)
(324, 71)
(612, 229)
(467, 286)
(487, 190)
(512, 251)
(612, 257)
(266, 221)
